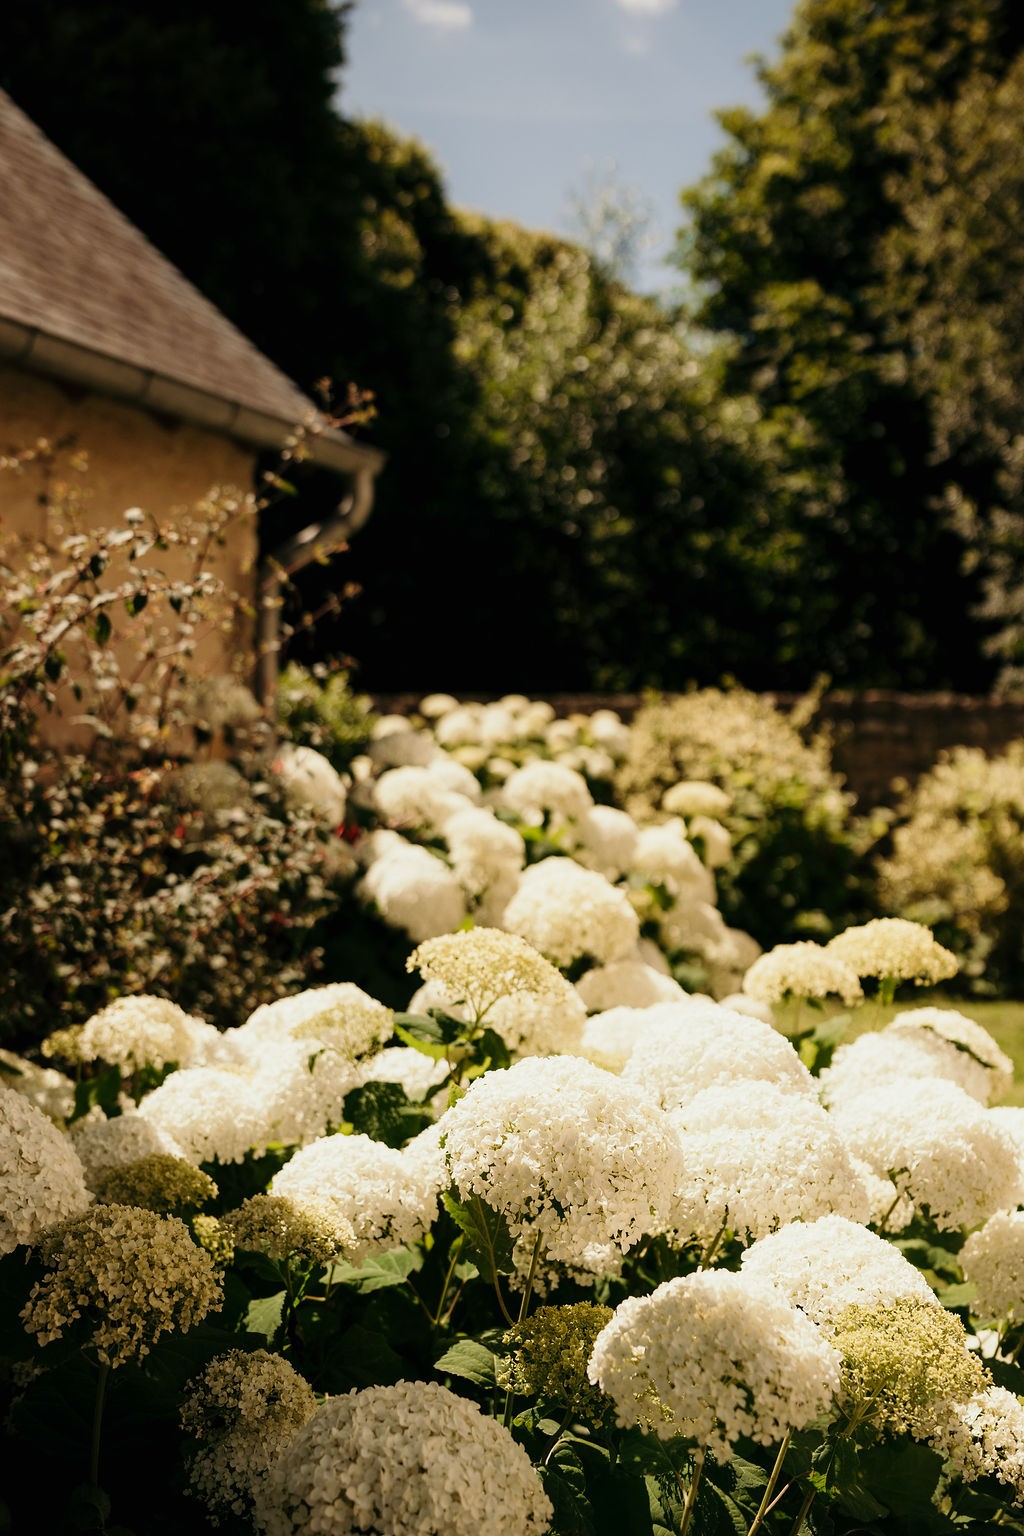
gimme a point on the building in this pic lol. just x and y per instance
(106, 347)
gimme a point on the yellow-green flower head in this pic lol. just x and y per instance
(211, 1234)
(802, 970)
(242, 1410)
(161, 1183)
(900, 1359)
(548, 1355)
(481, 966)
(275, 1226)
(896, 948)
(130, 1274)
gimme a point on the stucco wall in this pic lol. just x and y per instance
(135, 459)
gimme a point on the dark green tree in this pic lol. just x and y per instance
(798, 241)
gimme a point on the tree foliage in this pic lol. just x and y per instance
(852, 240)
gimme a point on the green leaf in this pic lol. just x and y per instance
(378, 1273)
(104, 1089)
(565, 1484)
(955, 1296)
(101, 627)
(53, 666)
(423, 1034)
(491, 1051)
(470, 1360)
(264, 1314)
(136, 603)
(384, 1112)
(487, 1234)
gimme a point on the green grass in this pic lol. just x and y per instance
(1004, 1022)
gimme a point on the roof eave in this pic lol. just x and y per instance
(35, 349)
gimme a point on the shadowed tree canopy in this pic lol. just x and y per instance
(839, 243)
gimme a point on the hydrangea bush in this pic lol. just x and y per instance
(467, 1266)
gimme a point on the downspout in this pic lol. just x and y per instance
(318, 541)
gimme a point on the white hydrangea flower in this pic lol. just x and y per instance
(716, 839)
(561, 736)
(310, 782)
(1010, 1120)
(49, 1090)
(459, 727)
(605, 840)
(697, 1044)
(568, 1154)
(739, 1002)
(414, 890)
(896, 1055)
(665, 856)
(695, 797)
(411, 1459)
(300, 1089)
(698, 927)
(484, 851)
(41, 1178)
(626, 984)
(242, 1410)
(567, 912)
(416, 797)
(481, 965)
(826, 1265)
(543, 789)
(534, 717)
(340, 1015)
(896, 948)
(984, 1437)
(592, 762)
(757, 1157)
(434, 705)
(609, 1037)
(944, 1150)
(498, 725)
(377, 1191)
(456, 777)
(140, 1031)
(608, 730)
(532, 1024)
(400, 746)
(103, 1145)
(993, 1069)
(210, 1113)
(714, 1357)
(801, 970)
(992, 1259)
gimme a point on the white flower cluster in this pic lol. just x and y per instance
(569, 1154)
(664, 856)
(311, 783)
(988, 1073)
(384, 1197)
(49, 1090)
(411, 1460)
(696, 1044)
(339, 1015)
(41, 1178)
(131, 1274)
(419, 798)
(605, 839)
(134, 1032)
(103, 1145)
(908, 1049)
(411, 887)
(242, 1410)
(478, 967)
(712, 1357)
(757, 1157)
(545, 792)
(568, 912)
(992, 1259)
(695, 797)
(826, 1265)
(942, 1148)
(894, 948)
(627, 984)
(209, 1114)
(801, 970)
(984, 1437)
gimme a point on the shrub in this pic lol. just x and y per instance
(319, 709)
(796, 867)
(956, 861)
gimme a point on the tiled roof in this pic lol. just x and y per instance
(75, 269)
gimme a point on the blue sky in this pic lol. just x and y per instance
(521, 100)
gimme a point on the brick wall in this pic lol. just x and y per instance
(879, 736)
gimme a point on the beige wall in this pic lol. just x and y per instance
(135, 459)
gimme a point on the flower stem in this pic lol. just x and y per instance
(691, 1497)
(524, 1307)
(802, 1514)
(766, 1498)
(97, 1425)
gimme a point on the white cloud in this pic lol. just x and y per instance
(448, 15)
(646, 7)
